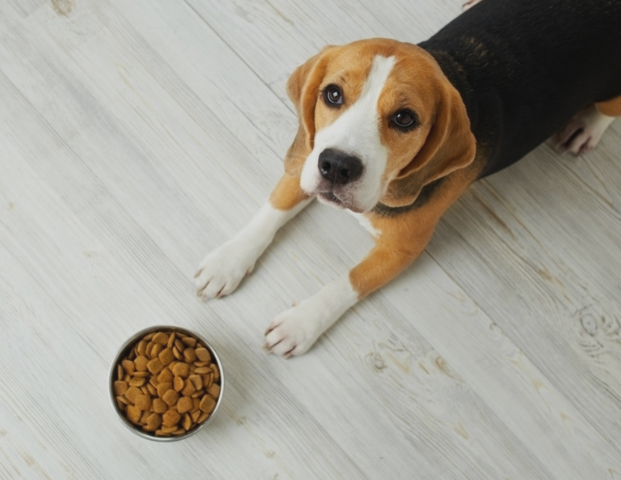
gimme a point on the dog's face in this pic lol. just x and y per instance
(378, 121)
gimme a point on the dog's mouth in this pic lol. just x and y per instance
(340, 201)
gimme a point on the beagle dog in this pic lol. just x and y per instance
(395, 132)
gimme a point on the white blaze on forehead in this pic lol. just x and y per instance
(357, 132)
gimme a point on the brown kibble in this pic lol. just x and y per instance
(166, 356)
(177, 353)
(189, 355)
(208, 380)
(143, 402)
(155, 351)
(141, 363)
(203, 355)
(171, 340)
(120, 387)
(128, 366)
(133, 414)
(141, 348)
(171, 418)
(178, 432)
(202, 370)
(152, 390)
(148, 336)
(195, 414)
(162, 388)
(189, 341)
(196, 403)
(216, 372)
(181, 369)
(188, 388)
(154, 421)
(198, 394)
(197, 381)
(178, 384)
(140, 374)
(137, 382)
(120, 373)
(179, 344)
(207, 403)
(144, 390)
(214, 390)
(153, 381)
(186, 423)
(149, 348)
(165, 376)
(171, 397)
(131, 394)
(171, 429)
(203, 417)
(161, 338)
(184, 404)
(155, 366)
(159, 405)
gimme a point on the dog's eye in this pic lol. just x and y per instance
(333, 96)
(405, 120)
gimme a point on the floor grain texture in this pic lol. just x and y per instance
(137, 136)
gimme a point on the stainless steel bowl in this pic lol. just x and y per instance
(124, 350)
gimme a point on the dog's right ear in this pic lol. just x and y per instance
(303, 90)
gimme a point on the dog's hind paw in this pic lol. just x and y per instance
(583, 132)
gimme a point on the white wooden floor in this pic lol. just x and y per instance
(135, 136)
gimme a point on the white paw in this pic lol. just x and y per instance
(583, 132)
(293, 332)
(222, 270)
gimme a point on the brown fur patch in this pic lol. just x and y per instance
(287, 193)
(611, 108)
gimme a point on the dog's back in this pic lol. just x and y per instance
(525, 67)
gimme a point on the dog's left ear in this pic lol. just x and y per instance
(303, 90)
(450, 145)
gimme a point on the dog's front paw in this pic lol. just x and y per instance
(293, 332)
(221, 271)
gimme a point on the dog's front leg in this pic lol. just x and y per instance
(222, 270)
(400, 241)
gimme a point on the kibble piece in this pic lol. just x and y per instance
(141, 348)
(194, 415)
(166, 356)
(171, 418)
(155, 366)
(179, 344)
(178, 384)
(207, 380)
(171, 340)
(203, 417)
(179, 431)
(188, 388)
(207, 403)
(143, 402)
(197, 381)
(181, 369)
(203, 355)
(129, 366)
(131, 394)
(166, 429)
(162, 388)
(196, 403)
(202, 370)
(189, 341)
(154, 421)
(149, 336)
(144, 389)
(198, 394)
(177, 353)
(120, 373)
(186, 423)
(189, 355)
(214, 390)
(184, 405)
(155, 351)
(141, 363)
(137, 381)
(161, 338)
(120, 387)
(159, 405)
(216, 372)
(152, 390)
(171, 397)
(165, 376)
(133, 414)
(143, 417)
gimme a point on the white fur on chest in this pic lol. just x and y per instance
(366, 223)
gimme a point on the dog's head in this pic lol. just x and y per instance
(378, 121)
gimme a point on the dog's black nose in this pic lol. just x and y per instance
(339, 168)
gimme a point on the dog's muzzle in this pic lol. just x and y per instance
(339, 168)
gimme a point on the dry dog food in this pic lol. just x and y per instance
(168, 383)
